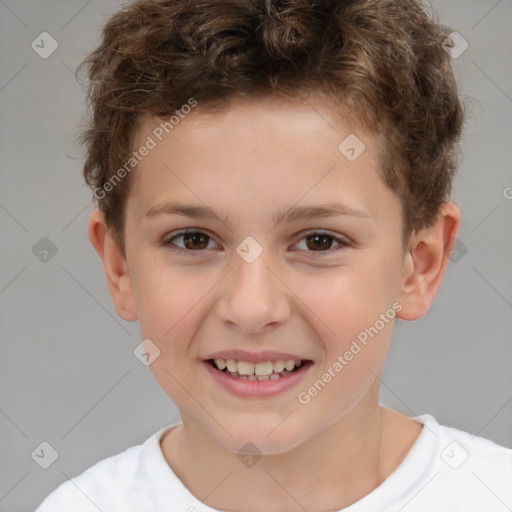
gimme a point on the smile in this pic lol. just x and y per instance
(257, 380)
(262, 371)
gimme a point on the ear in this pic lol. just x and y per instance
(425, 262)
(114, 263)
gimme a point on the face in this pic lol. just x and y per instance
(272, 276)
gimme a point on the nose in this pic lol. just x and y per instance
(253, 296)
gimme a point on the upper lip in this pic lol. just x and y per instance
(253, 357)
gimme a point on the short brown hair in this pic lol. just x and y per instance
(383, 59)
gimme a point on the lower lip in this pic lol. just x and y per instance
(255, 388)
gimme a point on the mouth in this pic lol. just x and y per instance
(260, 371)
(256, 375)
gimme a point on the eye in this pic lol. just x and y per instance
(321, 242)
(193, 241)
(196, 241)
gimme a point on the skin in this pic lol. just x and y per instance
(254, 158)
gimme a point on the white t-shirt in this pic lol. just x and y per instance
(446, 470)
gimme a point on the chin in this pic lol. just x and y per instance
(260, 436)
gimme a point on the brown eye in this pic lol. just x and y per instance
(193, 241)
(321, 243)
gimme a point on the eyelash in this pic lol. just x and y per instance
(168, 242)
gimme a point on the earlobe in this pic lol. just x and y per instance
(426, 261)
(114, 263)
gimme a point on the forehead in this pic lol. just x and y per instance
(272, 148)
(280, 115)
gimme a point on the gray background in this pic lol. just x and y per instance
(68, 375)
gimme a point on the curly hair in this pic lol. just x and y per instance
(382, 59)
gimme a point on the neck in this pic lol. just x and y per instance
(329, 472)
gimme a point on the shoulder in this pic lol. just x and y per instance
(458, 447)
(93, 489)
(446, 470)
(470, 469)
(115, 483)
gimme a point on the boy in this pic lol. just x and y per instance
(273, 185)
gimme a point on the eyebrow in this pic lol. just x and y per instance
(292, 214)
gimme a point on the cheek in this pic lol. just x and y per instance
(168, 297)
(350, 300)
(358, 337)
(356, 350)
(171, 304)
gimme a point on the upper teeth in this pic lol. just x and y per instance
(262, 368)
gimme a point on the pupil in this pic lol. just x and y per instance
(321, 237)
(194, 237)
